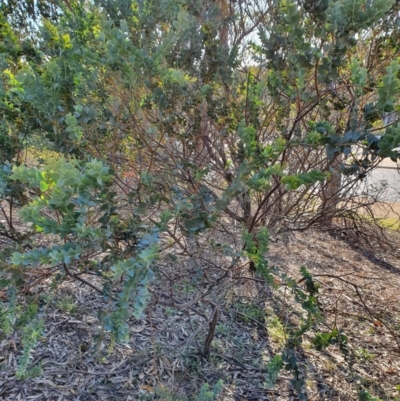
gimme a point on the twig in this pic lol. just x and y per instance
(373, 317)
(79, 278)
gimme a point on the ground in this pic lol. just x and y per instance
(162, 360)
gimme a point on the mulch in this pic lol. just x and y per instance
(163, 360)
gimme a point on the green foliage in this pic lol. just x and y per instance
(249, 312)
(31, 332)
(5, 321)
(276, 331)
(159, 89)
(364, 395)
(255, 249)
(389, 88)
(355, 15)
(292, 337)
(323, 340)
(274, 367)
(295, 181)
(363, 354)
(207, 394)
(66, 305)
(390, 141)
(75, 203)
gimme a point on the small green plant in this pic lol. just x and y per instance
(224, 329)
(274, 366)
(291, 338)
(397, 387)
(250, 312)
(276, 331)
(35, 371)
(66, 305)
(30, 335)
(5, 323)
(364, 395)
(9, 313)
(219, 345)
(329, 365)
(188, 288)
(363, 354)
(103, 360)
(207, 394)
(169, 311)
(323, 340)
(165, 394)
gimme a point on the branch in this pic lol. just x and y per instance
(79, 278)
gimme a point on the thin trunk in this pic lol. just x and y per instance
(330, 194)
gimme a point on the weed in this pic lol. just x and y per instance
(169, 311)
(163, 393)
(250, 312)
(192, 363)
(188, 288)
(397, 387)
(184, 286)
(30, 336)
(224, 329)
(218, 345)
(207, 394)
(364, 395)
(310, 384)
(363, 354)
(111, 346)
(329, 365)
(5, 321)
(276, 331)
(66, 305)
(31, 373)
(166, 394)
(274, 366)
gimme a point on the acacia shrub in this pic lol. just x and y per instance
(163, 93)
